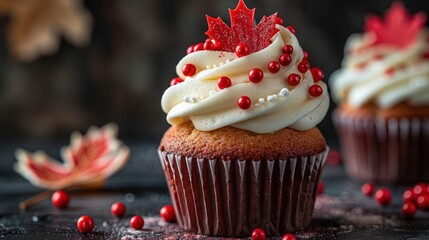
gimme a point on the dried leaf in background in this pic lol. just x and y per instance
(36, 26)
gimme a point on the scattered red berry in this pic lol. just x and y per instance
(423, 201)
(244, 102)
(409, 195)
(190, 49)
(305, 55)
(189, 70)
(208, 45)
(291, 29)
(303, 66)
(256, 75)
(288, 236)
(293, 79)
(258, 234)
(85, 224)
(419, 189)
(315, 90)
(279, 21)
(409, 209)
(320, 188)
(273, 67)
(368, 189)
(383, 196)
(198, 47)
(167, 213)
(285, 59)
(317, 74)
(223, 82)
(288, 49)
(60, 199)
(118, 209)
(176, 81)
(242, 50)
(137, 222)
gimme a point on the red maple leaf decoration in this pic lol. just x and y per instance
(398, 28)
(242, 30)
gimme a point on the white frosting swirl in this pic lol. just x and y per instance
(382, 74)
(275, 105)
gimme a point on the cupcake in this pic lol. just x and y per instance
(243, 151)
(382, 91)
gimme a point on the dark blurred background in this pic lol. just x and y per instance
(120, 75)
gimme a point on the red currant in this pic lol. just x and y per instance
(258, 234)
(273, 67)
(288, 49)
(223, 82)
(256, 75)
(293, 79)
(85, 224)
(279, 21)
(320, 188)
(305, 55)
(368, 189)
(317, 74)
(315, 90)
(167, 213)
(60, 199)
(244, 102)
(190, 49)
(118, 209)
(419, 189)
(383, 196)
(288, 236)
(189, 70)
(303, 66)
(208, 45)
(137, 222)
(409, 195)
(175, 81)
(423, 201)
(198, 47)
(291, 29)
(242, 50)
(409, 209)
(285, 59)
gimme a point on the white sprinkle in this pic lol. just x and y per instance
(194, 99)
(187, 99)
(221, 63)
(272, 98)
(227, 61)
(212, 92)
(284, 92)
(257, 105)
(214, 66)
(208, 67)
(261, 100)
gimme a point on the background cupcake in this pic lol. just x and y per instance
(243, 152)
(383, 95)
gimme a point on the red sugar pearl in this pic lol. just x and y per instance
(368, 189)
(383, 196)
(175, 81)
(294, 79)
(315, 90)
(258, 234)
(244, 102)
(285, 59)
(279, 21)
(288, 236)
(409, 195)
(85, 224)
(118, 209)
(190, 49)
(198, 47)
(419, 189)
(167, 213)
(409, 209)
(137, 222)
(242, 50)
(423, 201)
(288, 49)
(208, 45)
(189, 70)
(291, 29)
(320, 188)
(223, 82)
(305, 55)
(60, 199)
(303, 66)
(273, 67)
(215, 43)
(317, 74)
(256, 75)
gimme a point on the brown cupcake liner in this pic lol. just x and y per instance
(394, 150)
(231, 198)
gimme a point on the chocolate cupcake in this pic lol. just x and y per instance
(382, 89)
(243, 151)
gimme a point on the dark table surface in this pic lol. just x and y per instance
(341, 212)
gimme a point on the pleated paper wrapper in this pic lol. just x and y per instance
(394, 150)
(231, 198)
